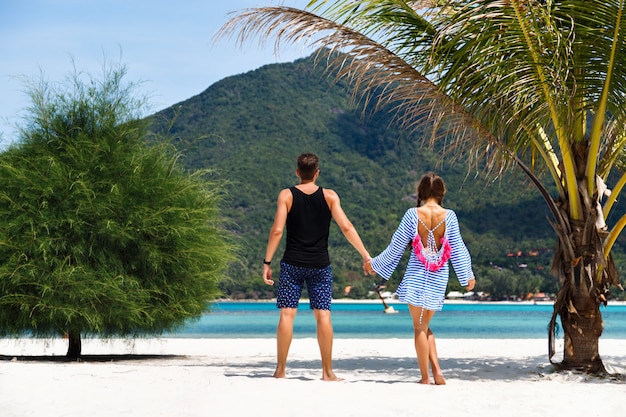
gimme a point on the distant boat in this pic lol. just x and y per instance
(388, 309)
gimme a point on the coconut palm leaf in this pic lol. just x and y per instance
(374, 69)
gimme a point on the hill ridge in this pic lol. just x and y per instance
(250, 128)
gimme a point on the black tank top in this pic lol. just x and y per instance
(308, 224)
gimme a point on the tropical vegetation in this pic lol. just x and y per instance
(250, 128)
(538, 85)
(100, 233)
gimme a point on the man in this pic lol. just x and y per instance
(306, 210)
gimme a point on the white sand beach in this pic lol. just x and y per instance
(232, 377)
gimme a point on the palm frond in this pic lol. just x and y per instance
(491, 79)
(607, 88)
(376, 73)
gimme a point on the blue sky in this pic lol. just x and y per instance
(167, 45)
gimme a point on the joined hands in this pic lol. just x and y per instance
(367, 267)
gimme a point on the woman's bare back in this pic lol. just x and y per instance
(432, 216)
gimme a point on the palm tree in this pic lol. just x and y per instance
(538, 85)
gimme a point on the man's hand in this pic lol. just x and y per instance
(267, 275)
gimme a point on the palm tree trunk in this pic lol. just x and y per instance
(75, 346)
(580, 296)
(582, 328)
(577, 257)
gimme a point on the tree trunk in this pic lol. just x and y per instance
(74, 348)
(585, 274)
(578, 260)
(581, 331)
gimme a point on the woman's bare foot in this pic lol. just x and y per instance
(331, 377)
(424, 381)
(439, 379)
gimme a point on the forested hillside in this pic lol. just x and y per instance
(250, 128)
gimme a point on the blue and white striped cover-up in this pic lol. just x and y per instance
(421, 287)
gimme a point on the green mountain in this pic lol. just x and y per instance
(250, 129)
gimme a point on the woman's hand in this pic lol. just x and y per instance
(470, 284)
(367, 267)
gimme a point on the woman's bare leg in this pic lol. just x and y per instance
(421, 319)
(434, 360)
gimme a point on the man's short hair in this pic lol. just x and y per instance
(308, 164)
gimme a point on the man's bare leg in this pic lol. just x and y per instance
(325, 341)
(284, 334)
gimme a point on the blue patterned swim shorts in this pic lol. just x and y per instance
(319, 284)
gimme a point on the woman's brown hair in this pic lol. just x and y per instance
(430, 185)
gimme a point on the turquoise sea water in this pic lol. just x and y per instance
(368, 320)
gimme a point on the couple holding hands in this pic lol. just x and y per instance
(429, 230)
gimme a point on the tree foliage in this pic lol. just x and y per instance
(101, 233)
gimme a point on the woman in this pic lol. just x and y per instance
(435, 240)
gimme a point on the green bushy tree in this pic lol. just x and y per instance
(101, 231)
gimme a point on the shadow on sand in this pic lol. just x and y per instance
(391, 370)
(88, 358)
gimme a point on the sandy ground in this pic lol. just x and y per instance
(216, 377)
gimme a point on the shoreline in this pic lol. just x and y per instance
(395, 301)
(192, 346)
(232, 377)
